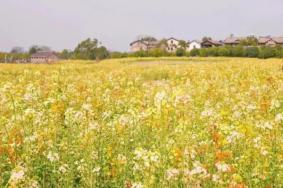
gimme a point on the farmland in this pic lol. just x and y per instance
(174, 122)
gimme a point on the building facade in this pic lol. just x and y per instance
(194, 45)
(172, 45)
(138, 45)
(143, 45)
(44, 57)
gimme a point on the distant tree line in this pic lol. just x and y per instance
(89, 49)
(262, 52)
(18, 54)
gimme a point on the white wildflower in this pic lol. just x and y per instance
(207, 113)
(93, 126)
(274, 104)
(234, 136)
(172, 174)
(124, 120)
(215, 177)
(137, 185)
(63, 169)
(279, 118)
(28, 97)
(53, 157)
(17, 175)
(265, 125)
(87, 107)
(263, 152)
(96, 170)
(198, 169)
(160, 98)
(222, 167)
(251, 107)
(34, 184)
(122, 158)
(237, 115)
(257, 142)
(183, 99)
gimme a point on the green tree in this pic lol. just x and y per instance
(35, 48)
(89, 49)
(17, 50)
(162, 44)
(249, 41)
(183, 44)
(206, 38)
(101, 53)
(66, 54)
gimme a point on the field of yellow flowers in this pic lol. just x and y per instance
(134, 123)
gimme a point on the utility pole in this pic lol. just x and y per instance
(5, 58)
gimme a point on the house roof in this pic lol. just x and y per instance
(44, 54)
(140, 41)
(278, 40)
(264, 40)
(233, 40)
(145, 42)
(197, 41)
(172, 38)
(213, 42)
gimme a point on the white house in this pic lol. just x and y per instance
(194, 45)
(172, 44)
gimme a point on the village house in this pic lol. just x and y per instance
(172, 45)
(270, 41)
(44, 57)
(208, 43)
(138, 45)
(195, 44)
(143, 45)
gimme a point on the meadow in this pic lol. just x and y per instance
(142, 123)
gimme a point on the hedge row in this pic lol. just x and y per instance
(224, 51)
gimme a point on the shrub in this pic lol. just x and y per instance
(157, 52)
(222, 51)
(118, 55)
(267, 52)
(251, 52)
(194, 52)
(203, 52)
(237, 51)
(180, 52)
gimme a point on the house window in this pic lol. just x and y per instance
(171, 41)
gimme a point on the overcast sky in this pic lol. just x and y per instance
(62, 24)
